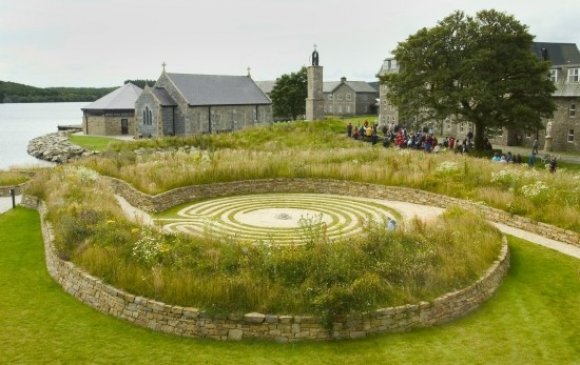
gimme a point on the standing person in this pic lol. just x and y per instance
(553, 164)
(349, 130)
(535, 147)
(532, 159)
(391, 224)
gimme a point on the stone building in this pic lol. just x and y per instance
(349, 97)
(565, 122)
(185, 104)
(113, 114)
(388, 113)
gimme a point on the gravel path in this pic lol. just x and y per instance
(408, 211)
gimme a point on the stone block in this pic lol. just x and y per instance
(254, 317)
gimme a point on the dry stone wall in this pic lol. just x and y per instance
(161, 202)
(193, 322)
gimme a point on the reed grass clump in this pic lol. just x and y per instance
(12, 177)
(514, 188)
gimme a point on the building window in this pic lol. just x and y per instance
(339, 97)
(347, 96)
(571, 136)
(329, 96)
(554, 74)
(330, 108)
(147, 116)
(348, 108)
(574, 75)
(572, 111)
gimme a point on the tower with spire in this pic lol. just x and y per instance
(315, 99)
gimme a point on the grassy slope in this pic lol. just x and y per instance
(93, 143)
(533, 319)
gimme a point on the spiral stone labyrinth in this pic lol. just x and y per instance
(278, 218)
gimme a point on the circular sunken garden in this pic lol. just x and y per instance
(278, 218)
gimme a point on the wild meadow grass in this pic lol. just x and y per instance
(532, 319)
(332, 278)
(288, 152)
(12, 177)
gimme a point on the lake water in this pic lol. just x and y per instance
(19, 123)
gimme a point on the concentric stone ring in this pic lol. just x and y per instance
(281, 218)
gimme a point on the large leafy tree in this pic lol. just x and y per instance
(478, 69)
(289, 94)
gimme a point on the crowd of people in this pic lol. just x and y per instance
(400, 137)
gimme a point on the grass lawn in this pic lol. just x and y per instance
(93, 143)
(533, 319)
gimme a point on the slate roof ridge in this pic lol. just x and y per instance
(202, 89)
(122, 98)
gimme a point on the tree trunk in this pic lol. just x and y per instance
(479, 135)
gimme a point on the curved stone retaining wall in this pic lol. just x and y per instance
(161, 202)
(283, 328)
(5, 190)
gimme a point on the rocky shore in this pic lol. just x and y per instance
(55, 147)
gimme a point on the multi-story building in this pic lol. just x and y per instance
(349, 97)
(388, 113)
(564, 124)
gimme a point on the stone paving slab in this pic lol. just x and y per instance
(562, 247)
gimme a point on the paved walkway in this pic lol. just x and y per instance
(525, 151)
(6, 203)
(408, 211)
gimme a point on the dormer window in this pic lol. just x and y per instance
(574, 75)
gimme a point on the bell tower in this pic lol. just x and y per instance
(315, 99)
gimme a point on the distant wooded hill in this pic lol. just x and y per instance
(12, 92)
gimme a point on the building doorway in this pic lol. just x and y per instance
(124, 126)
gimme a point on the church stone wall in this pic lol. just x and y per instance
(147, 100)
(108, 125)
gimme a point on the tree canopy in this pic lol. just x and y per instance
(477, 69)
(12, 92)
(289, 94)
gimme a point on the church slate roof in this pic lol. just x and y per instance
(122, 98)
(163, 96)
(558, 53)
(218, 89)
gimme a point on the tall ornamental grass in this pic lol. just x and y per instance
(518, 189)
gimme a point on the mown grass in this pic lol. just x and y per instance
(532, 319)
(92, 143)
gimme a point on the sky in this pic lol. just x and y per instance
(98, 43)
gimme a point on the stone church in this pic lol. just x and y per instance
(185, 104)
(565, 122)
(113, 114)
